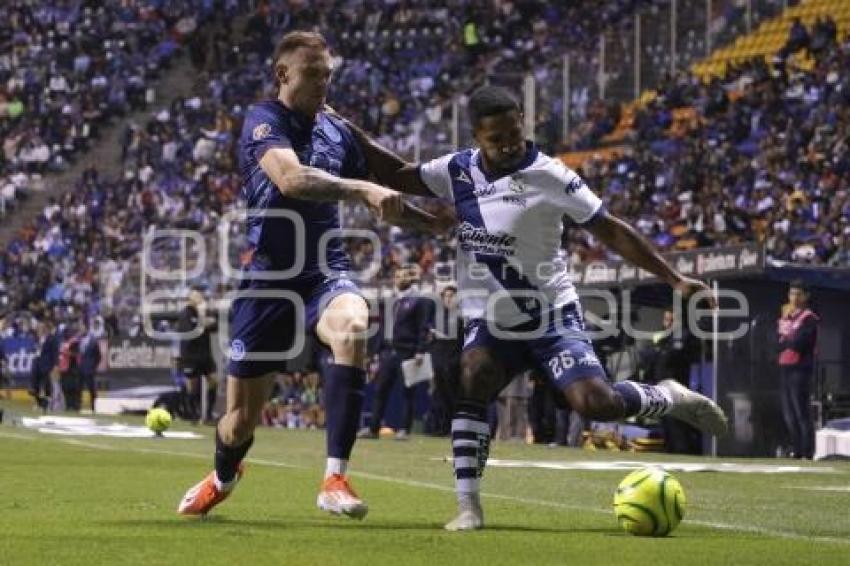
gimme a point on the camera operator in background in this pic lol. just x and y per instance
(195, 356)
(90, 357)
(671, 357)
(44, 363)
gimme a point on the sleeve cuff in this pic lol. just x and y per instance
(595, 217)
(425, 182)
(261, 151)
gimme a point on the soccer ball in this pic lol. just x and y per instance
(649, 502)
(158, 420)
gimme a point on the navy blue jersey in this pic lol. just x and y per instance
(325, 143)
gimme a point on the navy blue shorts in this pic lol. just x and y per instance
(269, 326)
(561, 350)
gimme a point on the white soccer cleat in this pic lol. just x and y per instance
(367, 433)
(467, 520)
(337, 498)
(695, 409)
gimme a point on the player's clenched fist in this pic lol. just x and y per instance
(385, 203)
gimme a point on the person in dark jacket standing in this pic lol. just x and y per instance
(412, 321)
(674, 350)
(196, 359)
(446, 345)
(798, 331)
(69, 368)
(90, 357)
(44, 363)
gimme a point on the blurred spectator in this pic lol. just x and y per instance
(413, 317)
(446, 345)
(670, 356)
(90, 357)
(69, 368)
(296, 402)
(44, 364)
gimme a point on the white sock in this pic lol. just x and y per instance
(335, 466)
(467, 500)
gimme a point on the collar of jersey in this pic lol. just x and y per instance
(531, 152)
(299, 120)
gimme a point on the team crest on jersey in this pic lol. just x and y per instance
(262, 131)
(573, 185)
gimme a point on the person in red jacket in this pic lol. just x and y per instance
(798, 330)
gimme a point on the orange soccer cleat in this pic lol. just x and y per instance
(338, 498)
(203, 496)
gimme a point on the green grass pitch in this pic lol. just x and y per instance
(98, 500)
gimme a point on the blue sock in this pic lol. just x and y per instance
(343, 402)
(642, 400)
(227, 458)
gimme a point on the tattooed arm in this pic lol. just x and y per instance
(309, 183)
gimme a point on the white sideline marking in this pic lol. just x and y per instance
(77, 426)
(439, 487)
(839, 488)
(625, 465)
(85, 444)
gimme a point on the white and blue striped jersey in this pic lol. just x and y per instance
(509, 233)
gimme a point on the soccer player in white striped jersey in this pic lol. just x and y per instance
(521, 308)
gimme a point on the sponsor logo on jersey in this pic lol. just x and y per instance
(515, 186)
(574, 185)
(478, 239)
(484, 190)
(589, 360)
(514, 200)
(261, 131)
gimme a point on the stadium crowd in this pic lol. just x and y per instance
(764, 159)
(767, 159)
(68, 68)
(296, 402)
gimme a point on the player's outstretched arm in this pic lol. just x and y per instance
(387, 167)
(625, 240)
(303, 182)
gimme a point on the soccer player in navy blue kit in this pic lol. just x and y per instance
(299, 161)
